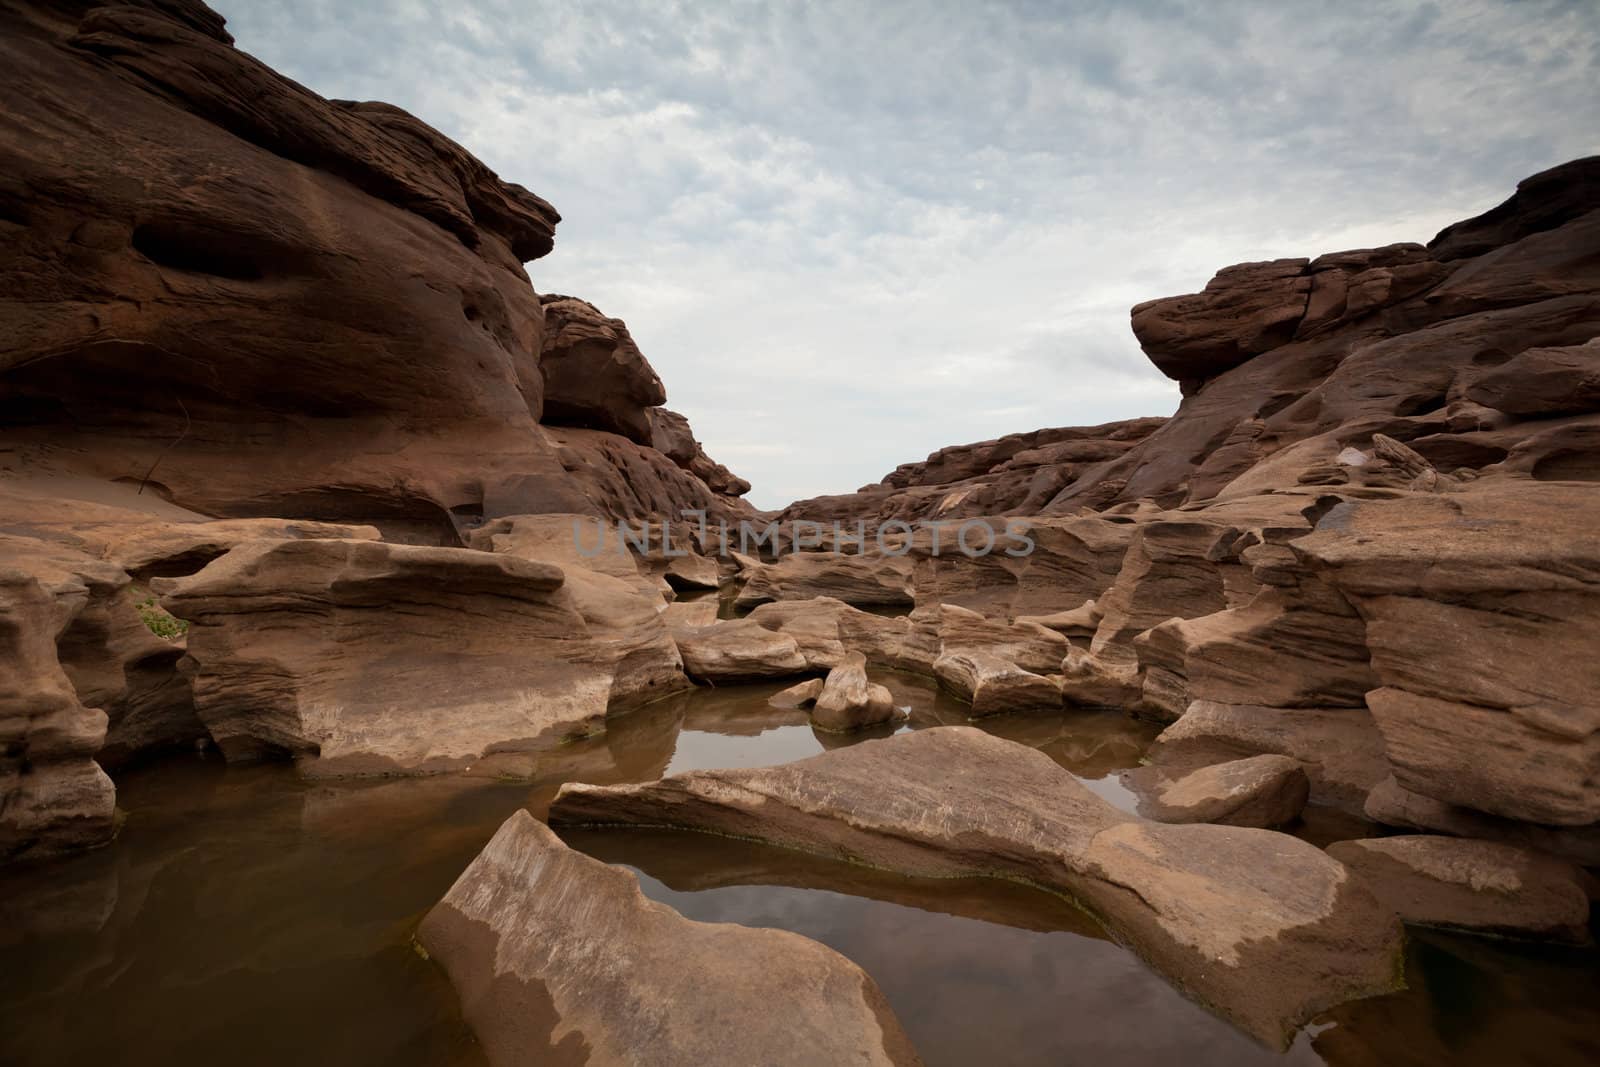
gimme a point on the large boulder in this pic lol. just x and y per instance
(1263, 928)
(559, 958)
(594, 374)
(739, 650)
(849, 700)
(992, 685)
(1480, 886)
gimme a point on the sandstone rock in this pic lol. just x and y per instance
(1340, 749)
(1466, 600)
(802, 695)
(849, 701)
(621, 606)
(53, 796)
(671, 435)
(739, 651)
(1417, 330)
(442, 656)
(1014, 475)
(856, 580)
(1480, 886)
(1266, 791)
(594, 374)
(230, 347)
(558, 957)
(1080, 622)
(1243, 311)
(1542, 202)
(1263, 928)
(1392, 804)
(994, 686)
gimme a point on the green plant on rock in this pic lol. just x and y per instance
(161, 622)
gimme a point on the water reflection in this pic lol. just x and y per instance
(247, 913)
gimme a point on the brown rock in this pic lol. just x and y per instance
(1266, 791)
(1261, 927)
(558, 958)
(443, 655)
(594, 374)
(739, 651)
(856, 580)
(802, 695)
(994, 686)
(1468, 599)
(228, 346)
(1480, 886)
(850, 701)
(1243, 311)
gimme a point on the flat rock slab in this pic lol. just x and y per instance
(1482, 886)
(738, 650)
(560, 959)
(1261, 927)
(1265, 791)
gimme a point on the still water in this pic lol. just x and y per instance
(249, 917)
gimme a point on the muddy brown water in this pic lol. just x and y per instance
(248, 917)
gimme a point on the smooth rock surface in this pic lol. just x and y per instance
(560, 959)
(850, 701)
(1480, 886)
(1264, 929)
(1268, 791)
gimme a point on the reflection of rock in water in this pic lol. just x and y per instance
(1474, 1003)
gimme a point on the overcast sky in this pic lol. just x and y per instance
(847, 234)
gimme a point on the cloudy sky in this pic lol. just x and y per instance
(847, 234)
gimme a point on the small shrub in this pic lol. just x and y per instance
(161, 622)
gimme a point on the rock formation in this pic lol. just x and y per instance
(183, 312)
(1260, 927)
(559, 958)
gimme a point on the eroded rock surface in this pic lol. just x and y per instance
(849, 700)
(559, 958)
(1261, 927)
(1480, 886)
(359, 657)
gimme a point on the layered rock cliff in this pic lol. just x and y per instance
(222, 288)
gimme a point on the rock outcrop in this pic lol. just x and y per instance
(1266, 791)
(849, 700)
(1014, 475)
(1259, 926)
(1479, 886)
(559, 958)
(357, 657)
(256, 302)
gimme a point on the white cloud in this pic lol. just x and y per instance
(849, 234)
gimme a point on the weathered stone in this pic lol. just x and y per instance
(856, 580)
(442, 656)
(560, 958)
(1467, 601)
(1261, 927)
(1266, 791)
(850, 701)
(739, 651)
(802, 695)
(1340, 749)
(1480, 886)
(994, 686)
